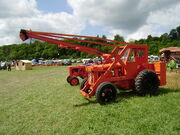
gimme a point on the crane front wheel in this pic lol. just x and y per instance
(106, 93)
(74, 81)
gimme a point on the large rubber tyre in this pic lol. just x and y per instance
(68, 78)
(74, 81)
(83, 83)
(106, 93)
(146, 82)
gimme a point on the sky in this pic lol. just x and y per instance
(133, 19)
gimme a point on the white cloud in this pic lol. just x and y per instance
(126, 15)
(23, 14)
(158, 23)
(18, 8)
(133, 19)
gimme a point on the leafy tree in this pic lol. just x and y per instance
(171, 64)
(104, 37)
(173, 34)
(39, 49)
(117, 37)
(178, 32)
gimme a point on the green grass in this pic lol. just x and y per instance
(40, 102)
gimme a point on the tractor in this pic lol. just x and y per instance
(125, 67)
(74, 73)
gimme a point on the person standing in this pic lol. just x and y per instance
(9, 66)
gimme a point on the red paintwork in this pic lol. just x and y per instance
(75, 71)
(74, 82)
(121, 66)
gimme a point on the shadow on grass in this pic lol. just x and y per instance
(86, 103)
(125, 95)
(160, 91)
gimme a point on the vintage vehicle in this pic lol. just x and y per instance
(125, 67)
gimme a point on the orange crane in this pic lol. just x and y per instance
(125, 67)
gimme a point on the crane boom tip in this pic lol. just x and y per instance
(23, 34)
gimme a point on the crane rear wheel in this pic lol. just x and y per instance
(146, 82)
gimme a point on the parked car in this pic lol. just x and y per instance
(34, 62)
(153, 58)
(73, 61)
(3, 66)
(66, 62)
(79, 61)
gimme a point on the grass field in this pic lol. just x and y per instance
(40, 102)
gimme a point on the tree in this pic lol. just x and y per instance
(39, 49)
(117, 37)
(178, 32)
(149, 38)
(171, 64)
(104, 37)
(173, 34)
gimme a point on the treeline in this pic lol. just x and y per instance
(165, 40)
(38, 49)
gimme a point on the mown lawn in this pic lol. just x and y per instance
(40, 102)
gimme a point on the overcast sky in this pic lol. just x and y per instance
(133, 19)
